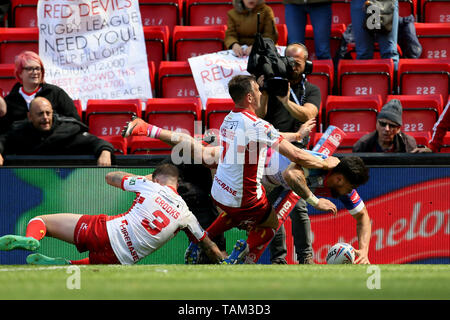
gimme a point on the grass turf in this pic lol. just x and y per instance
(231, 282)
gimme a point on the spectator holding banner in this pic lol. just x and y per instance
(29, 71)
(242, 25)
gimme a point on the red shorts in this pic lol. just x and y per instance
(91, 235)
(243, 218)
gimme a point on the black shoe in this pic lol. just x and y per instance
(279, 261)
(306, 260)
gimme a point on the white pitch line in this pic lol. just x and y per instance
(34, 269)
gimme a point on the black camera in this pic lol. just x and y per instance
(264, 59)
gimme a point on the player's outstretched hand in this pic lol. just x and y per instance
(362, 257)
(330, 162)
(306, 128)
(326, 205)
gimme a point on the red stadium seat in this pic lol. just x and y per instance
(108, 117)
(278, 10)
(335, 39)
(7, 77)
(323, 76)
(120, 144)
(161, 13)
(435, 11)
(446, 144)
(175, 80)
(353, 113)
(349, 140)
(420, 113)
(424, 76)
(207, 12)
(15, 40)
(422, 138)
(340, 12)
(152, 73)
(157, 43)
(435, 39)
(282, 34)
(24, 13)
(407, 7)
(191, 41)
(215, 111)
(78, 106)
(365, 77)
(177, 114)
(145, 145)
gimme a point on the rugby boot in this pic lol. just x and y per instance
(11, 242)
(40, 259)
(239, 253)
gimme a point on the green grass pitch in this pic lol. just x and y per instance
(226, 282)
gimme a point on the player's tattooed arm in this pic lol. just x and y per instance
(115, 178)
(211, 250)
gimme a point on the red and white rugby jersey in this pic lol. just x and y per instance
(244, 139)
(156, 215)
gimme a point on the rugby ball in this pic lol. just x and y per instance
(341, 253)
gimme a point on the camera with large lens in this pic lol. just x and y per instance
(264, 59)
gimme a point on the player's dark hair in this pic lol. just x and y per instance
(166, 169)
(353, 169)
(239, 86)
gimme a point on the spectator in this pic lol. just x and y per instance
(287, 114)
(388, 136)
(29, 71)
(46, 133)
(440, 128)
(2, 107)
(319, 11)
(365, 39)
(242, 23)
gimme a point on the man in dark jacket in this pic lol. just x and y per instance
(46, 133)
(17, 106)
(388, 136)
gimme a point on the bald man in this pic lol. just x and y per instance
(46, 133)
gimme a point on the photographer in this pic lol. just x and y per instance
(287, 114)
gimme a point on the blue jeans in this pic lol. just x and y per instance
(364, 40)
(320, 15)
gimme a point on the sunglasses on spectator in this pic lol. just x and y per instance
(391, 125)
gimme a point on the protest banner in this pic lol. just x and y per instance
(212, 72)
(94, 49)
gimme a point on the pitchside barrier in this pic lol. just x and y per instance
(407, 196)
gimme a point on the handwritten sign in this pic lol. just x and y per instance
(94, 49)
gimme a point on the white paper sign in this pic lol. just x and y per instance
(94, 49)
(212, 72)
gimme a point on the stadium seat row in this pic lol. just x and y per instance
(355, 115)
(189, 41)
(174, 79)
(214, 12)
